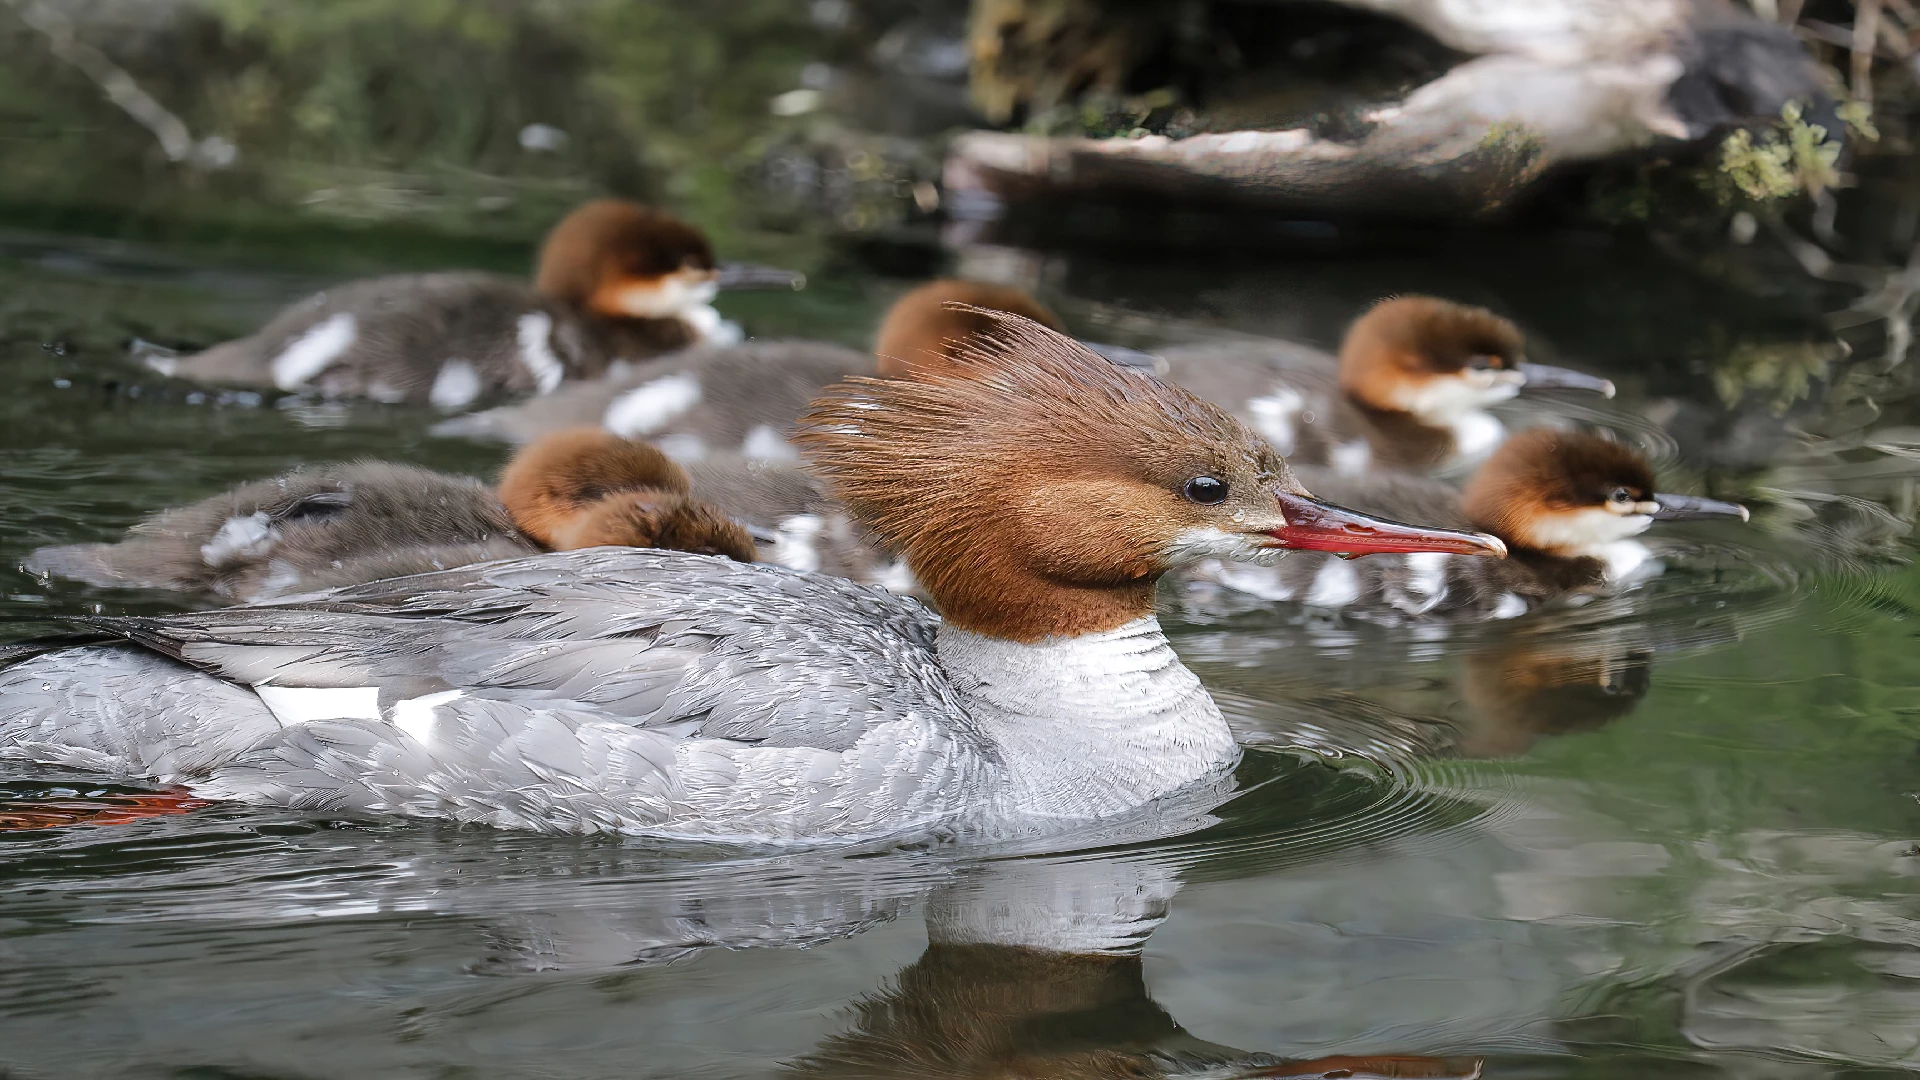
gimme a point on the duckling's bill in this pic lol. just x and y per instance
(739, 275)
(1694, 508)
(1547, 377)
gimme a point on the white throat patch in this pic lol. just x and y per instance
(1441, 399)
(1595, 533)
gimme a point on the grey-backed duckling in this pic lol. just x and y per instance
(616, 281)
(1568, 506)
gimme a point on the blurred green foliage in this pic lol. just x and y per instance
(367, 111)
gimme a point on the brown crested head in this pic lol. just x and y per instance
(657, 520)
(1036, 489)
(584, 487)
(620, 259)
(1561, 491)
(926, 327)
(1408, 350)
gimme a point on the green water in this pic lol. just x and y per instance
(1667, 834)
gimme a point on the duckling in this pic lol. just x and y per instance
(1566, 504)
(796, 523)
(312, 528)
(616, 280)
(332, 525)
(744, 399)
(584, 487)
(1410, 388)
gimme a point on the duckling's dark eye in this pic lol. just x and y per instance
(1206, 490)
(1621, 495)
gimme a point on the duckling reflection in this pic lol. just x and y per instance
(1521, 689)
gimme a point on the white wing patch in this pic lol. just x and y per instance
(240, 538)
(763, 443)
(456, 386)
(536, 354)
(312, 352)
(1511, 606)
(1351, 458)
(1477, 434)
(1276, 417)
(683, 447)
(1263, 582)
(1336, 585)
(651, 406)
(414, 716)
(1426, 581)
(793, 540)
(295, 705)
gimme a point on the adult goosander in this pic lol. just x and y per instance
(1038, 497)
(616, 280)
(1410, 388)
(745, 399)
(1566, 504)
(334, 525)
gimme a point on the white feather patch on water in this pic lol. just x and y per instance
(763, 443)
(294, 705)
(241, 538)
(793, 542)
(651, 406)
(536, 354)
(456, 386)
(1336, 585)
(1511, 606)
(414, 716)
(1276, 417)
(312, 352)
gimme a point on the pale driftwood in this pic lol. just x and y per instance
(1551, 82)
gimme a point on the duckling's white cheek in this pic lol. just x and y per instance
(651, 406)
(312, 352)
(1443, 397)
(1581, 530)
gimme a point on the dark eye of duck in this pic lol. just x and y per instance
(1621, 496)
(1206, 490)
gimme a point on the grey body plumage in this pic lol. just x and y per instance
(610, 690)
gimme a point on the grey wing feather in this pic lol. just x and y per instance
(701, 645)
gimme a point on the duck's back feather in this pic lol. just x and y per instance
(600, 689)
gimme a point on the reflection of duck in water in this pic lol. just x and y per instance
(1520, 689)
(1568, 506)
(616, 281)
(1410, 389)
(334, 525)
(996, 1011)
